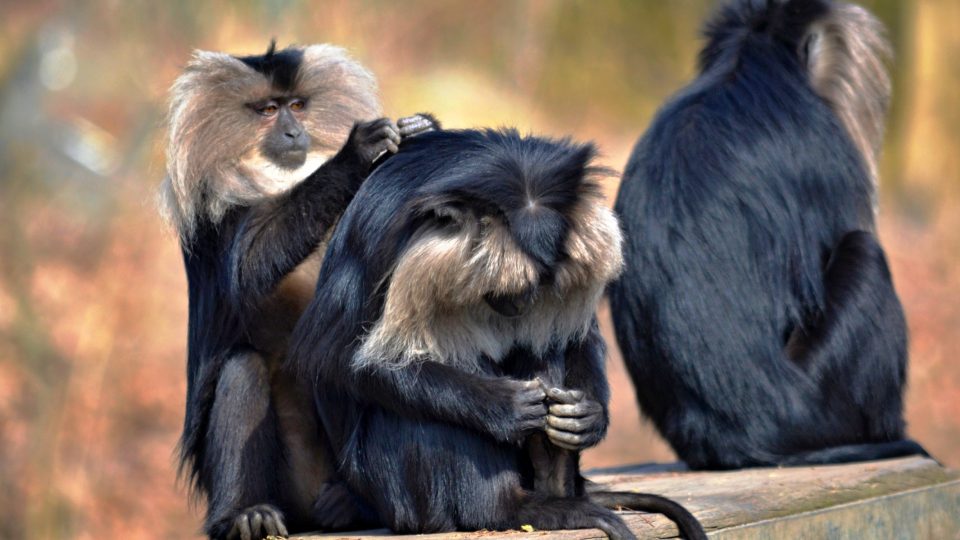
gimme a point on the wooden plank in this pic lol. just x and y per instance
(929, 513)
(902, 498)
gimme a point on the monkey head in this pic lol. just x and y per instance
(508, 241)
(242, 128)
(843, 50)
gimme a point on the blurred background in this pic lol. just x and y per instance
(92, 292)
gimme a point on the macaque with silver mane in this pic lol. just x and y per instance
(459, 367)
(263, 155)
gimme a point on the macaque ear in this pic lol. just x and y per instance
(449, 216)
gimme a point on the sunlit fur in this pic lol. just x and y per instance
(213, 162)
(252, 234)
(845, 53)
(467, 263)
(757, 316)
(847, 61)
(435, 307)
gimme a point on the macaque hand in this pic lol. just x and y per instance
(370, 139)
(416, 124)
(574, 422)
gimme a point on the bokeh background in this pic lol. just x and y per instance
(92, 292)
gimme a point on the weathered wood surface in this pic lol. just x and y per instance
(908, 498)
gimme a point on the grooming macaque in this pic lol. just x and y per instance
(452, 336)
(263, 155)
(757, 315)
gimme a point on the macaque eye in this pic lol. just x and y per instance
(447, 222)
(297, 105)
(448, 219)
(268, 109)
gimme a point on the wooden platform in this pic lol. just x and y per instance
(909, 498)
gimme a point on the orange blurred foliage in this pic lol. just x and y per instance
(92, 293)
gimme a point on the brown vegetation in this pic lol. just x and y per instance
(92, 294)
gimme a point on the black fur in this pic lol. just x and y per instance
(232, 269)
(432, 446)
(234, 446)
(757, 315)
(280, 67)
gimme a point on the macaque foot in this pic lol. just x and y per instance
(256, 523)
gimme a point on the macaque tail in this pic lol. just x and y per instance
(688, 525)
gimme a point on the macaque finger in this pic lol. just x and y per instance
(536, 412)
(533, 424)
(243, 525)
(562, 437)
(418, 123)
(395, 136)
(256, 523)
(413, 125)
(390, 132)
(565, 446)
(569, 397)
(281, 528)
(582, 408)
(374, 126)
(414, 120)
(532, 391)
(534, 384)
(270, 526)
(572, 425)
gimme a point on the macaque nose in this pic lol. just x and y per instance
(511, 305)
(292, 133)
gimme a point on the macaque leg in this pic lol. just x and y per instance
(242, 456)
